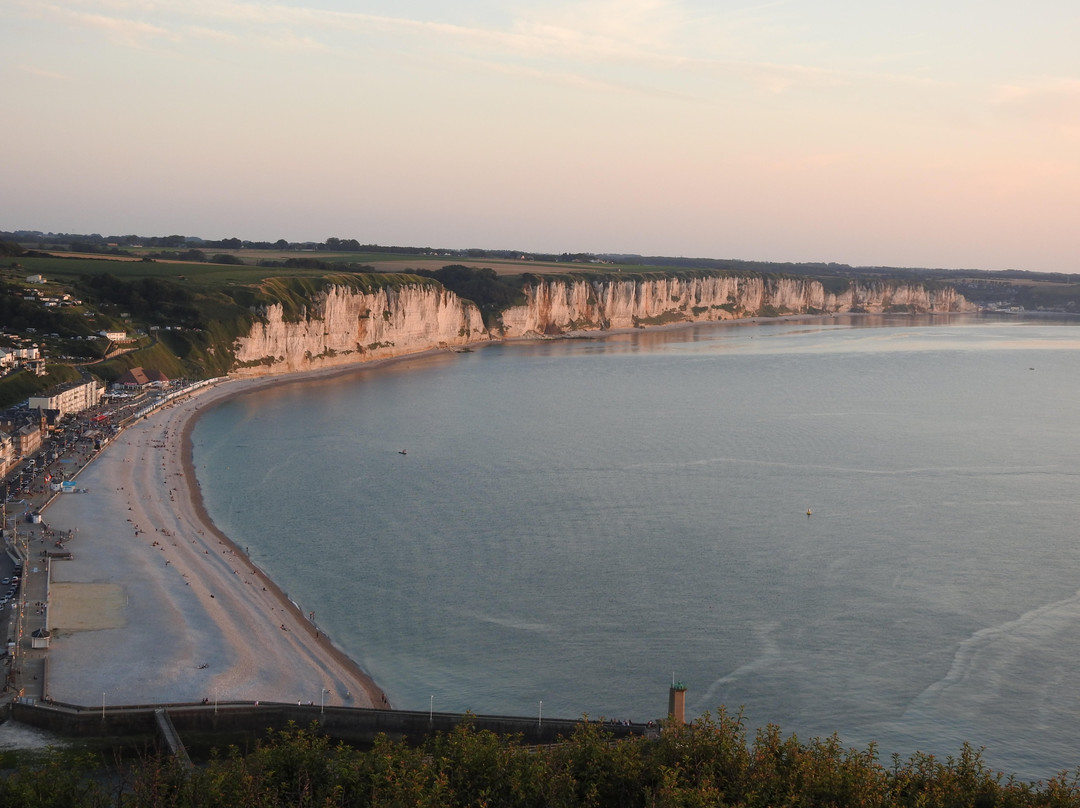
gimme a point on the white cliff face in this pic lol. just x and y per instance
(345, 326)
(560, 306)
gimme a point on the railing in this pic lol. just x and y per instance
(352, 724)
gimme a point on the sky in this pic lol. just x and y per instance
(932, 133)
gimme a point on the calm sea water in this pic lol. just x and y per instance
(575, 522)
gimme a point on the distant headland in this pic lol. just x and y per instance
(190, 308)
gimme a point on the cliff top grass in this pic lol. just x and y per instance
(184, 273)
(252, 273)
(190, 313)
(255, 269)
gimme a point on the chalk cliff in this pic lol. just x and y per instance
(343, 325)
(559, 306)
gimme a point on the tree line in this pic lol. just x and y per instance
(708, 763)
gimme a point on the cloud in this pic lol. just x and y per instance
(290, 42)
(212, 34)
(41, 73)
(572, 42)
(120, 30)
(1051, 101)
(593, 29)
(584, 31)
(581, 81)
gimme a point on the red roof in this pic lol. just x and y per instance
(137, 377)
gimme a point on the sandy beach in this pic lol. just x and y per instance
(158, 606)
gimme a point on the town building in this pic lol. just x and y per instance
(69, 398)
(140, 379)
(28, 358)
(14, 357)
(8, 458)
(25, 433)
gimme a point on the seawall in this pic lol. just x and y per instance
(252, 720)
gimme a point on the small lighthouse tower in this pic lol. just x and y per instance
(676, 704)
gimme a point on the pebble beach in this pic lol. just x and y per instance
(157, 605)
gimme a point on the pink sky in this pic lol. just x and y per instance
(898, 134)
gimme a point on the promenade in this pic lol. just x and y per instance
(144, 599)
(34, 546)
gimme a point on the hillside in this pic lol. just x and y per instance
(194, 309)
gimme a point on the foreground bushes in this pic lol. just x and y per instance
(710, 763)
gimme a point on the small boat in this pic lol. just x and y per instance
(401, 451)
(809, 513)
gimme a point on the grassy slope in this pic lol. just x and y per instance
(228, 296)
(385, 263)
(22, 384)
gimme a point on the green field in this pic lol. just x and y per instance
(68, 270)
(62, 268)
(189, 314)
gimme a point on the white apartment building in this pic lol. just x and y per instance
(70, 398)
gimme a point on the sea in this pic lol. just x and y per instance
(865, 526)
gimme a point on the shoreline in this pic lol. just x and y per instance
(375, 694)
(158, 605)
(265, 659)
(246, 637)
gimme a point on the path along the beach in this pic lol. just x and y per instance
(157, 606)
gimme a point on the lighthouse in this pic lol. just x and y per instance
(676, 705)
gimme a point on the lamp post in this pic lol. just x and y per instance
(322, 700)
(16, 655)
(431, 710)
(10, 679)
(540, 717)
